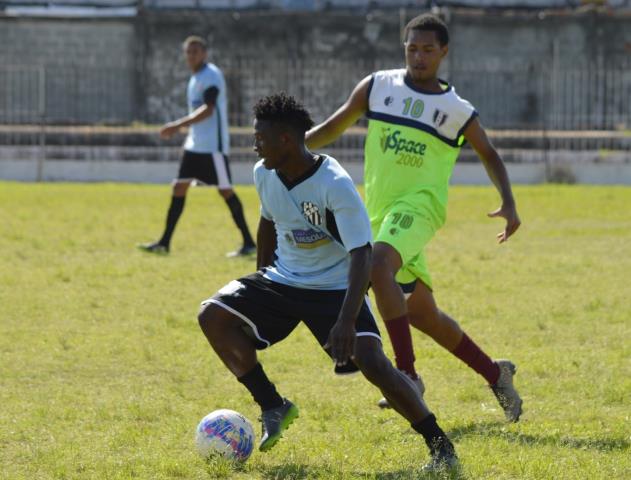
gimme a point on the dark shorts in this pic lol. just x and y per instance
(206, 168)
(271, 311)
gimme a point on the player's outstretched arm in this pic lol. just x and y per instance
(265, 243)
(347, 115)
(197, 115)
(496, 170)
(342, 338)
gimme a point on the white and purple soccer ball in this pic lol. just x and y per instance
(226, 433)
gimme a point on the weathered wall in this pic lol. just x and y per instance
(515, 67)
(522, 70)
(81, 42)
(568, 72)
(88, 69)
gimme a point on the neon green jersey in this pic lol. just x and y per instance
(413, 141)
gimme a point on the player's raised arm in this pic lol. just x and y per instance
(496, 170)
(266, 243)
(347, 115)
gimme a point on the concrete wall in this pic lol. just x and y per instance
(62, 42)
(318, 57)
(506, 63)
(520, 69)
(83, 70)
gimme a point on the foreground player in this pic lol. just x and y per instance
(417, 125)
(314, 252)
(205, 158)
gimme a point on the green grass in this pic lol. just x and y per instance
(104, 373)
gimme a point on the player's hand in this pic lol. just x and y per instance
(341, 341)
(509, 212)
(168, 130)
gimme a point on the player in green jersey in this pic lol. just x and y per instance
(416, 127)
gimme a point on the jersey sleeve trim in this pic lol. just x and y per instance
(370, 85)
(367, 244)
(210, 95)
(406, 122)
(331, 226)
(461, 140)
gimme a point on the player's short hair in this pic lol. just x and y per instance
(428, 23)
(195, 40)
(283, 109)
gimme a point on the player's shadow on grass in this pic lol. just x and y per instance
(496, 430)
(298, 471)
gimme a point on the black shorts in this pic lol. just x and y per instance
(271, 311)
(206, 168)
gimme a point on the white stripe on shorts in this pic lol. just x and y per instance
(223, 182)
(240, 315)
(368, 334)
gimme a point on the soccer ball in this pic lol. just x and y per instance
(226, 433)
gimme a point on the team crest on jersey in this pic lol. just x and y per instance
(312, 213)
(439, 117)
(388, 101)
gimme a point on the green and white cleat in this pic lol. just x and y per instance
(274, 422)
(418, 384)
(505, 391)
(154, 247)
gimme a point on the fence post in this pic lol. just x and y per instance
(552, 105)
(41, 159)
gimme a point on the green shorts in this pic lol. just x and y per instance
(408, 231)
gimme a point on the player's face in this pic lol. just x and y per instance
(423, 54)
(268, 144)
(195, 56)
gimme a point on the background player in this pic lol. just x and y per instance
(205, 157)
(314, 251)
(417, 125)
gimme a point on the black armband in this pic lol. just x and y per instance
(210, 95)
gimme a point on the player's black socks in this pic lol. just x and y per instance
(236, 209)
(263, 391)
(175, 210)
(434, 436)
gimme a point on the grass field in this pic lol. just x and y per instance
(104, 373)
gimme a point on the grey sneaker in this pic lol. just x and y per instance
(505, 392)
(244, 251)
(442, 460)
(274, 421)
(418, 383)
(155, 247)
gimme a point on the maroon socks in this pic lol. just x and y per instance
(401, 338)
(470, 353)
(467, 351)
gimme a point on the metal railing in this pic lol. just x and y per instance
(577, 97)
(88, 113)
